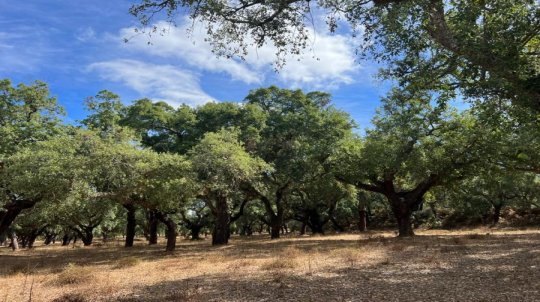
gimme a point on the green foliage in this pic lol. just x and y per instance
(479, 48)
(27, 114)
(222, 164)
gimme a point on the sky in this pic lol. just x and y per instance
(78, 48)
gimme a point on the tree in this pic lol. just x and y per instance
(195, 216)
(483, 48)
(223, 166)
(413, 147)
(298, 134)
(44, 171)
(27, 115)
(107, 111)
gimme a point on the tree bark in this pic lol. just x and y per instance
(170, 232)
(88, 237)
(496, 213)
(152, 227)
(49, 238)
(315, 222)
(32, 240)
(131, 224)
(403, 212)
(221, 231)
(11, 211)
(14, 241)
(86, 233)
(275, 226)
(362, 219)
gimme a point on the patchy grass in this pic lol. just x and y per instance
(501, 266)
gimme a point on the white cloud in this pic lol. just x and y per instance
(329, 61)
(194, 51)
(159, 82)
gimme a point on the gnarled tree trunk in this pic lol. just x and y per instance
(11, 211)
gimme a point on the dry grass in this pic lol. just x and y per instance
(501, 266)
(75, 274)
(127, 262)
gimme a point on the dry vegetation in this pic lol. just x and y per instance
(435, 266)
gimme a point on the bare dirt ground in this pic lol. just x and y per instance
(475, 265)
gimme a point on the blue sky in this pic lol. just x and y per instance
(77, 48)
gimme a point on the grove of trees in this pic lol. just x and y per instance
(283, 160)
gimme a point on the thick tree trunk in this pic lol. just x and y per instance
(11, 211)
(88, 237)
(23, 239)
(86, 233)
(170, 230)
(276, 221)
(315, 222)
(31, 240)
(221, 231)
(403, 212)
(152, 227)
(131, 224)
(362, 219)
(66, 240)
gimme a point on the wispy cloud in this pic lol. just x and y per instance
(159, 82)
(329, 61)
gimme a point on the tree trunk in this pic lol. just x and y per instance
(275, 226)
(131, 224)
(362, 219)
(195, 232)
(2, 239)
(403, 212)
(303, 228)
(152, 227)
(11, 211)
(496, 213)
(170, 232)
(14, 241)
(66, 239)
(49, 238)
(315, 222)
(32, 240)
(88, 237)
(221, 231)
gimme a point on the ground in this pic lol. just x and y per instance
(474, 265)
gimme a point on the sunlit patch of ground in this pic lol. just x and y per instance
(472, 265)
